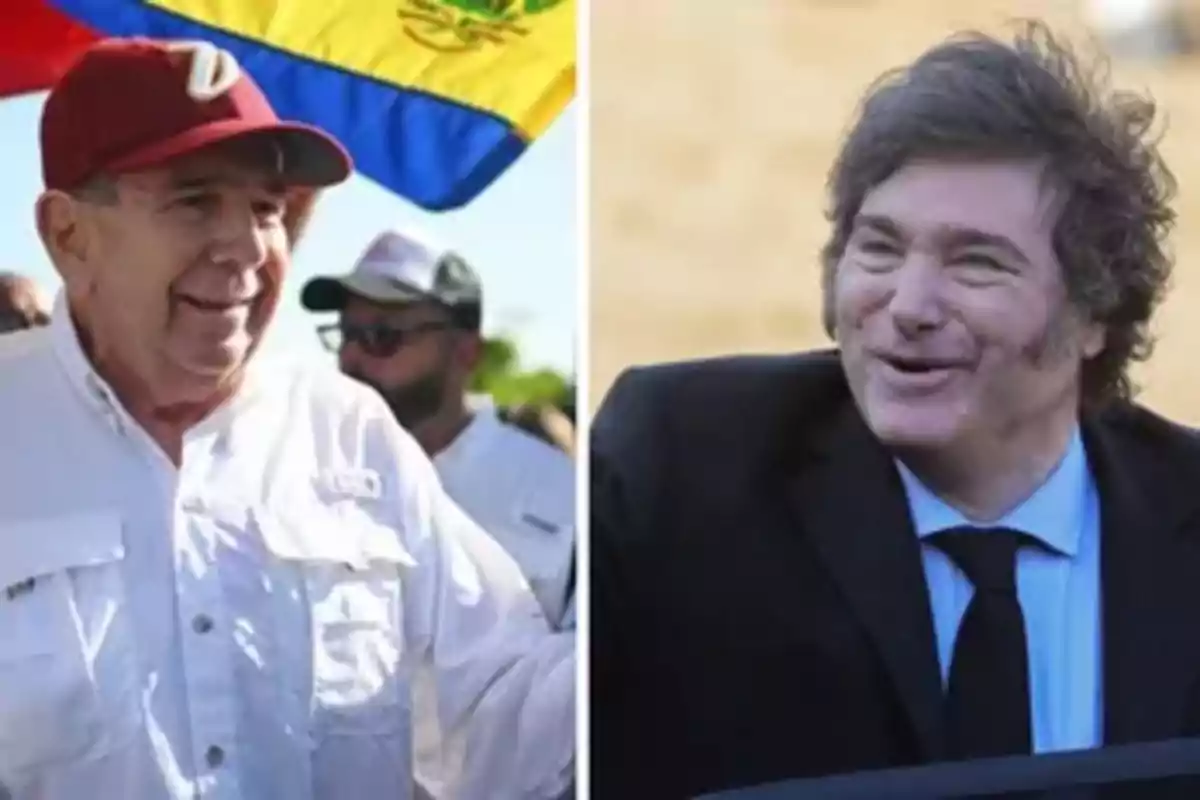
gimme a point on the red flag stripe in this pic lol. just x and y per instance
(37, 43)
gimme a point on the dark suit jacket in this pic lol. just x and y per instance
(759, 607)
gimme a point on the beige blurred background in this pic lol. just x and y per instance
(712, 126)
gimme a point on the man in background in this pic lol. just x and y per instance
(409, 326)
(22, 303)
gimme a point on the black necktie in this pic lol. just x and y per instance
(987, 699)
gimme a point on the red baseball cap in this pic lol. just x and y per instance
(129, 104)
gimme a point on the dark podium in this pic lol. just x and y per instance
(1166, 770)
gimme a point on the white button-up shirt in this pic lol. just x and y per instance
(522, 492)
(246, 625)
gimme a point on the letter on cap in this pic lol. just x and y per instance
(213, 71)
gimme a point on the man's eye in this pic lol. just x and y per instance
(269, 208)
(981, 261)
(196, 201)
(878, 247)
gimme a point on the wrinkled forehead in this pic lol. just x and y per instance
(248, 162)
(1011, 197)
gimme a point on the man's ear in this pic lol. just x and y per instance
(1094, 339)
(61, 228)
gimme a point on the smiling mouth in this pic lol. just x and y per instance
(919, 374)
(214, 306)
(918, 366)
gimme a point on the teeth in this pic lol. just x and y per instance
(210, 306)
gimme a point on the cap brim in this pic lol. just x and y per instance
(310, 157)
(327, 293)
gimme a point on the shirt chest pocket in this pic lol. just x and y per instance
(349, 571)
(68, 674)
(541, 540)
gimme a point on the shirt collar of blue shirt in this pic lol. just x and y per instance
(1053, 513)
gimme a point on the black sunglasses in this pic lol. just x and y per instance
(378, 341)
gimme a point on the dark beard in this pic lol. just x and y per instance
(416, 402)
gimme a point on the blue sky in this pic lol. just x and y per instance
(520, 235)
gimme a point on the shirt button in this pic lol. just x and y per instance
(214, 756)
(202, 623)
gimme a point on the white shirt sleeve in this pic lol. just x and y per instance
(505, 681)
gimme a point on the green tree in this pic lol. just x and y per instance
(501, 375)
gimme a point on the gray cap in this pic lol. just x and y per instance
(399, 268)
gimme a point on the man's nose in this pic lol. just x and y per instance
(916, 303)
(241, 239)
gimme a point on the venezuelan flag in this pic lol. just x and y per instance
(434, 98)
(37, 44)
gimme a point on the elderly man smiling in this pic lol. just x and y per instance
(217, 571)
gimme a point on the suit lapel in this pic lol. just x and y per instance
(852, 506)
(1150, 587)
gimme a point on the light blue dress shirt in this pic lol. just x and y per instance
(1059, 593)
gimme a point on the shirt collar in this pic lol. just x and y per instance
(479, 430)
(1054, 513)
